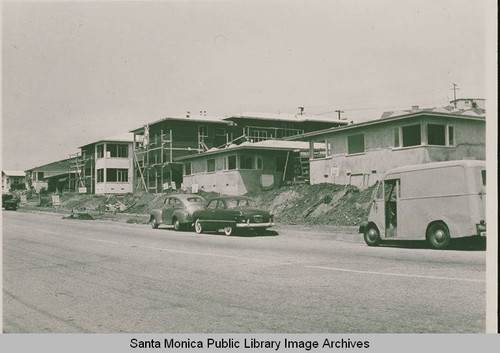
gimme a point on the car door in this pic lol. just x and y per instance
(168, 209)
(220, 215)
(208, 215)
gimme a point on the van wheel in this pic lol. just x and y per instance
(438, 235)
(372, 235)
(198, 227)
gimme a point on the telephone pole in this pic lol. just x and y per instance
(455, 94)
(339, 111)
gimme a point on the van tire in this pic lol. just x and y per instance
(438, 235)
(371, 235)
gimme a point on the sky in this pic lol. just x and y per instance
(76, 72)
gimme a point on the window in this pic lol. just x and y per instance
(436, 135)
(117, 175)
(195, 200)
(212, 204)
(39, 176)
(329, 147)
(100, 151)
(210, 165)
(355, 144)
(187, 168)
(280, 164)
(117, 150)
(411, 135)
(483, 176)
(231, 163)
(246, 162)
(396, 137)
(203, 131)
(260, 163)
(440, 135)
(100, 175)
(220, 131)
(451, 136)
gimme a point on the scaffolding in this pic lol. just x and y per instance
(154, 160)
(83, 166)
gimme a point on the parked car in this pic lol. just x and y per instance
(9, 202)
(178, 211)
(436, 202)
(230, 213)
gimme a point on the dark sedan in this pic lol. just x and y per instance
(230, 213)
(178, 211)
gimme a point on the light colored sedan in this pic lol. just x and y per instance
(178, 211)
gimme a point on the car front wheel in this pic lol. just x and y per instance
(198, 227)
(228, 230)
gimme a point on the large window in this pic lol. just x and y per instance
(440, 135)
(210, 165)
(117, 175)
(100, 151)
(355, 144)
(407, 136)
(117, 150)
(39, 176)
(246, 162)
(100, 175)
(230, 163)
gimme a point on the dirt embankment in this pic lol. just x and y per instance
(322, 204)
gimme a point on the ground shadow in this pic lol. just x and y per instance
(461, 244)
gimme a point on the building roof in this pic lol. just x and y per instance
(269, 145)
(393, 117)
(286, 117)
(125, 137)
(447, 109)
(14, 173)
(62, 165)
(192, 117)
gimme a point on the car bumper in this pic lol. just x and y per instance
(254, 225)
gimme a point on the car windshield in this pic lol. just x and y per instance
(195, 200)
(239, 203)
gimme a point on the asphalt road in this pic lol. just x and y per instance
(66, 276)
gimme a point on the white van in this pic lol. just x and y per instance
(434, 202)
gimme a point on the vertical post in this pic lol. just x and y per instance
(171, 159)
(161, 160)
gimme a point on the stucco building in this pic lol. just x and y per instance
(358, 153)
(248, 167)
(105, 166)
(12, 180)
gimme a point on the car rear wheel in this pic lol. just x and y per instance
(228, 230)
(438, 235)
(153, 223)
(198, 227)
(372, 235)
(177, 225)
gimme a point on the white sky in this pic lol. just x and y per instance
(75, 72)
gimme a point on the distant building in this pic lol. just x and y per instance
(469, 103)
(358, 153)
(52, 176)
(105, 166)
(248, 167)
(157, 145)
(12, 180)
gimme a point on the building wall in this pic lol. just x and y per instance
(238, 181)
(364, 169)
(107, 162)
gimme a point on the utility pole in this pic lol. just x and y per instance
(455, 94)
(339, 111)
(301, 110)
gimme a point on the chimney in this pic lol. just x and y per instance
(415, 107)
(301, 110)
(188, 114)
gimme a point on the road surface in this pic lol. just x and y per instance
(66, 276)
